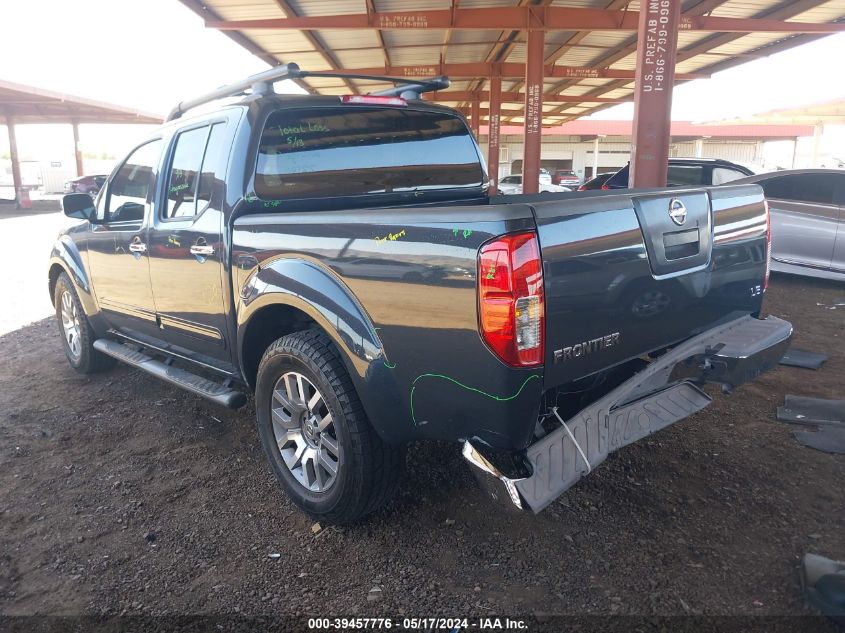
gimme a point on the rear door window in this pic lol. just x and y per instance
(686, 175)
(199, 162)
(721, 175)
(813, 188)
(213, 169)
(184, 168)
(355, 150)
(839, 193)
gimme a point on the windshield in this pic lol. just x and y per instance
(354, 150)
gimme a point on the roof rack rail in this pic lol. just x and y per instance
(405, 87)
(262, 84)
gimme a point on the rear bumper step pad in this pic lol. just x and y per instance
(198, 385)
(654, 398)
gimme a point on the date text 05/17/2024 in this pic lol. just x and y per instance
(418, 624)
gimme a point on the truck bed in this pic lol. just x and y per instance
(621, 281)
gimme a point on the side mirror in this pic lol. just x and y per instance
(79, 206)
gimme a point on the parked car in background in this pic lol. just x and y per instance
(512, 184)
(597, 182)
(808, 220)
(689, 172)
(85, 184)
(565, 178)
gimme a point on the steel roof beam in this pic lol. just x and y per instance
(504, 70)
(699, 8)
(504, 44)
(315, 40)
(371, 8)
(629, 46)
(514, 97)
(512, 113)
(784, 11)
(651, 136)
(532, 127)
(527, 18)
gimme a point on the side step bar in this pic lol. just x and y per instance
(204, 387)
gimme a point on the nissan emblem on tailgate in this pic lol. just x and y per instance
(677, 211)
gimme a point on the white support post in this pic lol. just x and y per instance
(818, 130)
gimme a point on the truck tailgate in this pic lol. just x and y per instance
(634, 272)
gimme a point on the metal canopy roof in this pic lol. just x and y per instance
(590, 46)
(26, 104)
(828, 112)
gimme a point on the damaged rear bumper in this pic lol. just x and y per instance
(663, 393)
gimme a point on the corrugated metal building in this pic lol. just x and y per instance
(572, 152)
(573, 145)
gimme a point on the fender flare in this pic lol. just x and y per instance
(310, 288)
(66, 254)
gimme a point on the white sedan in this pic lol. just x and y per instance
(512, 184)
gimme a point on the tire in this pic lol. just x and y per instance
(76, 332)
(310, 419)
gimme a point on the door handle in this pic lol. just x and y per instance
(202, 249)
(137, 246)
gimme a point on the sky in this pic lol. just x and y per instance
(801, 75)
(150, 55)
(146, 55)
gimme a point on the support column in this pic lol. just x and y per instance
(818, 130)
(475, 116)
(794, 151)
(77, 151)
(595, 158)
(533, 108)
(16, 165)
(493, 130)
(698, 152)
(657, 44)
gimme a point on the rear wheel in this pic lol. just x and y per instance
(77, 335)
(316, 436)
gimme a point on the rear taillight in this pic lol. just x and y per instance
(605, 188)
(768, 244)
(510, 298)
(582, 188)
(373, 100)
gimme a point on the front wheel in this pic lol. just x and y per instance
(316, 435)
(77, 335)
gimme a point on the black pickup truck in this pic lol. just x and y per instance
(339, 257)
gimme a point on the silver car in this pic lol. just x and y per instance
(808, 220)
(512, 184)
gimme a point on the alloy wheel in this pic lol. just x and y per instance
(70, 324)
(305, 433)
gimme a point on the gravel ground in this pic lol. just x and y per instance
(120, 494)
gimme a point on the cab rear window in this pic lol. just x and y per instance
(355, 150)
